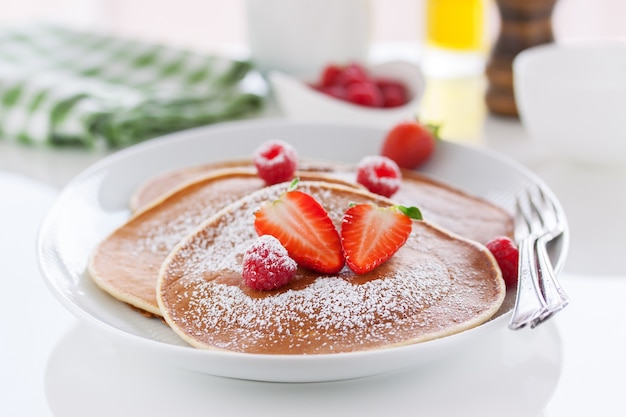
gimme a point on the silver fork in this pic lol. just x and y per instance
(553, 220)
(539, 293)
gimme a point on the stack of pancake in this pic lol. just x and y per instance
(179, 257)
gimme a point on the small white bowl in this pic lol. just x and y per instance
(299, 101)
(571, 97)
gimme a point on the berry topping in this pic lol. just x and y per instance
(304, 228)
(267, 265)
(370, 235)
(365, 94)
(394, 93)
(410, 144)
(329, 75)
(353, 84)
(275, 161)
(379, 175)
(352, 73)
(507, 256)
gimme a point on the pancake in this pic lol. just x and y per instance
(163, 184)
(443, 204)
(437, 284)
(126, 263)
(156, 187)
(453, 209)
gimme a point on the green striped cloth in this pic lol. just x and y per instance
(61, 86)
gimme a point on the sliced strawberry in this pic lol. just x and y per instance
(370, 235)
(303, 227)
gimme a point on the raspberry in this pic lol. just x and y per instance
(352, 73)
(507, 256)
(352, 83)
(364, 94)
(330, 74)
(267, 265)
(394, 93)
(379, 174)
(275, 161)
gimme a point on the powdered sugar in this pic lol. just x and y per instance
(330, 306)
(202, 289)
(161, 232)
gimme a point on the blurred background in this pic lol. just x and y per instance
(396, 29)
(217, 25)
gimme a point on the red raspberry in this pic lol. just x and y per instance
(394, 93)
(267, 265)
(330, 73)
(379, 174)
(507, 255)
(364, 94)
(352, 73)
(275, 161)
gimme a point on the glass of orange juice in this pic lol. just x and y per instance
(455, 37)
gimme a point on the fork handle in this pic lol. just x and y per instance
(530, 303)
(554, 295)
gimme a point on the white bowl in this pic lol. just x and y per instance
(571, 97)
(298, 101)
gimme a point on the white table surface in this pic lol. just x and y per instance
(32, 337)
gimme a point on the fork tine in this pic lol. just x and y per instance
(548, 213)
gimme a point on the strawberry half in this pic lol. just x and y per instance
(370, 235)
(304, 228)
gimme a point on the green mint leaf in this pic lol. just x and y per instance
(294, 184)
(413, 212)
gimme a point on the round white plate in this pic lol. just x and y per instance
(96, 202)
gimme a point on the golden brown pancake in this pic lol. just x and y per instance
(453, 209)
(162, 184)
(127, 262)
(159, 185)
(442, 204)
(436, 284)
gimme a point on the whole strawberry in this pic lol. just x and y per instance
(410, 144)
(507, 256)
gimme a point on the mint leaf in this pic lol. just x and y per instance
(413, 212)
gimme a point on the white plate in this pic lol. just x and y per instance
(96, 202)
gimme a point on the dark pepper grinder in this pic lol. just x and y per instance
(523, 23)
